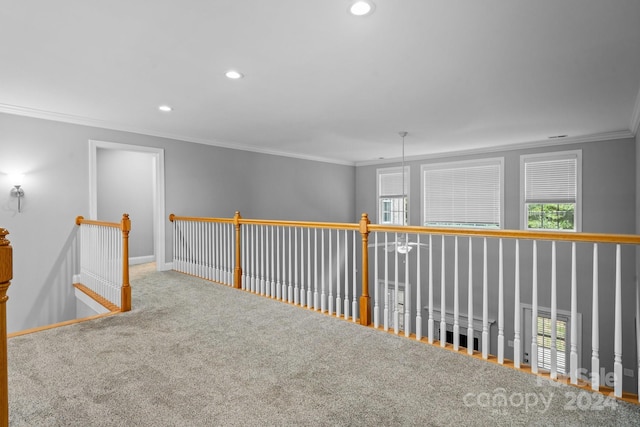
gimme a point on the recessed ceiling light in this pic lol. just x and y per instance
(165, 108)
(361, 8)
(233, 74)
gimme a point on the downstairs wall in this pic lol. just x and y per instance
(200, 180)
(608, 206)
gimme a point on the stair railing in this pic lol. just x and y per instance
(104, 262)
(315, 264)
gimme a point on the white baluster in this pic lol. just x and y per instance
(456, 298)
(283, 278)
(200, 249)
(418, 293)
(430, 323)
(443, 307)
(407, 292)
(534, 311)
(256, 259)
(309, 292)
(338, 298)
(223, 254)
(214, 255)
(573, 364)
(396, 320)
(354, 303)
(268, 261)
(346, 275)
(500, 304)
(275, 265)
(231, 250)
(207, 248)
(279, 246)
(470, 332)
(386, 284)
(316, 294)
(554, 314)
(595, 326)
(376, 318)
(330, 272)
(296, 289)
(303, 293)
(218, 246)
(323, 295)
(485, 304)
(246, 249)
(263, 261)
(290, 287)
(517, 349)
(246, 267)
(617, 341)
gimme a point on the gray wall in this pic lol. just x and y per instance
(124, 184)
(200, 180)
(609, 206)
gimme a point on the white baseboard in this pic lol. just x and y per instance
(141, 259)
(166, 266)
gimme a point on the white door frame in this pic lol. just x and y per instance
(158, 192)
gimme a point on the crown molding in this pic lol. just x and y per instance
(623, 134)
(86, 121)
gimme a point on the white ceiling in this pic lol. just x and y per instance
(458, 75)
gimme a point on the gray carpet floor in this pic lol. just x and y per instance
(195, 353)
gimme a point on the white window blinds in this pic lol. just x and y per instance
(465, 194)
(551, 180)
(390, 182)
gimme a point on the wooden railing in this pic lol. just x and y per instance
(104, 262)
(6, 274)
(315, 265)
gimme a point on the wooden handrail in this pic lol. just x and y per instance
(273, 222)
(629, 239)
(81, 220)
(625, 239)
(6, 274)
(173, 217)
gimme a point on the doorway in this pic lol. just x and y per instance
(101, 155)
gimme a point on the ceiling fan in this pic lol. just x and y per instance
(401, 243)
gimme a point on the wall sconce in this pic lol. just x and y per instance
(16, 191)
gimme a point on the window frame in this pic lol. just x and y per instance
(379, 198)
(459, 165)
(551, 156)
(526, 311)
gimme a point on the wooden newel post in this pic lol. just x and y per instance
(365, 301)
(6, 274)
(237, 272)
(125, 296)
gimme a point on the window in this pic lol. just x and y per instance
(463, 194)
(551, 191)
(544, 343)
(542, 337)
(392, 197)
